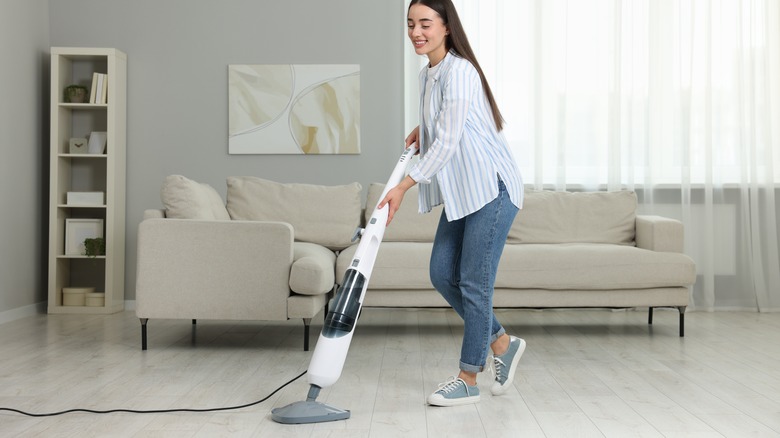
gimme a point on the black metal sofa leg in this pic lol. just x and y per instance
(681, 309)
(306, 325)
(143, 333)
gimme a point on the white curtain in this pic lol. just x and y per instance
(678, 100)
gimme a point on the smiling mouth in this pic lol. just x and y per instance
(420, 43)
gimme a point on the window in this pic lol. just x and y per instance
(625, 93)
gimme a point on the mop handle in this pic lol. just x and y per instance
(399, 172)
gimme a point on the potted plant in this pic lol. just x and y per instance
(94, 247)
(76, 94)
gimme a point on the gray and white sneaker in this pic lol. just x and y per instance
(505, 365)
(454, 392)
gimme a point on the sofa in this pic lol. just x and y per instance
(564, 250)
(276, 251)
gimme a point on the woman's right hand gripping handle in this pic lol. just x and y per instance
(412, 138)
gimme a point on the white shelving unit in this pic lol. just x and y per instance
(84, 172)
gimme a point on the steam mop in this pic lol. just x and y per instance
(330, 353)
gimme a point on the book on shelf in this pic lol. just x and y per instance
(93, 89)
(99, 91)
(104, 92)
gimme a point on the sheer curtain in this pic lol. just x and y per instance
(678, 100)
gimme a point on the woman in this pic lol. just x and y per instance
(465, 164)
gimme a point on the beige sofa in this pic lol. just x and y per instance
(565, 250)
(275, 252)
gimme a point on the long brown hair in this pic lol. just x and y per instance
(458, 42)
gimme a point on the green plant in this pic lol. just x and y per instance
(76, 93)
(94, 247)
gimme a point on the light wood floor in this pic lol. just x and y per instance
(587, 373)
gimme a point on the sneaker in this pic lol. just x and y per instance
(454, 392)
(505, 365)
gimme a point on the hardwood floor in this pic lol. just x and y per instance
(588, 373)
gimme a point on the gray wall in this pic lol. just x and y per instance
(178, 53)
(24, 46)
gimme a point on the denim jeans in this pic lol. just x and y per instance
(463, 269)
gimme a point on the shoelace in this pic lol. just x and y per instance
(450, 385)
(497, 368)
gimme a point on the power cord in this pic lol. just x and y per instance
(156, 411)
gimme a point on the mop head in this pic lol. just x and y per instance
(308, 412)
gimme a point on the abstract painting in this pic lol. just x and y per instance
(294, 109)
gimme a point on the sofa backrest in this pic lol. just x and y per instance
(546, 217)
(326, 215)
(576, 217)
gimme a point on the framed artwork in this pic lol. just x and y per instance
(76, 230)
(294, 109)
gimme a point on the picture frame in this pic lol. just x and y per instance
(311, 109)
(76, 230)
(97, 142)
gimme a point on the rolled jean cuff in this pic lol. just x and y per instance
(478, 369)
(471, 368)
(497, 335)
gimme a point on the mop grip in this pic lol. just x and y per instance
(399, 171)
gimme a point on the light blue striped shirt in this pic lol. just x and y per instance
(464, 154)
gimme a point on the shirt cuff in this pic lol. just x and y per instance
(418, 177)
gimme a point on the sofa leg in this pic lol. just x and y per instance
(306, 325)
(649, 315)
(143, 333)
(682, 320)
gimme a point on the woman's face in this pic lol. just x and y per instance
(427, 32)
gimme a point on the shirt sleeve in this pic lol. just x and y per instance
(457, 90)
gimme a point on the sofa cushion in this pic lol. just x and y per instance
(312, 271)
(184, 198)
(408, 224)
(575, 217)
(326, 215)
(588, 266)
(398, 265)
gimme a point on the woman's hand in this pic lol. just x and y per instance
(412, 137)
(395, 196)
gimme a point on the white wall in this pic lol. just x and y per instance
(178, 53)
(24, 47)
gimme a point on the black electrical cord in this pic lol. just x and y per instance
(156, 411)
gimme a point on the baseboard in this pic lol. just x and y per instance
(22, 312)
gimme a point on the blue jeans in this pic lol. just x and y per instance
(463, 269)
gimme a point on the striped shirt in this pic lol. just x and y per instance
(461, 152)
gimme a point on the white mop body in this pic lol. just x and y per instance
(332, 347)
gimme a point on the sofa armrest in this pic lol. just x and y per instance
(213, 269)
(313, 270)
(659, 233)
(154, 213)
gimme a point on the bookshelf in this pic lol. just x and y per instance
(100, 169)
